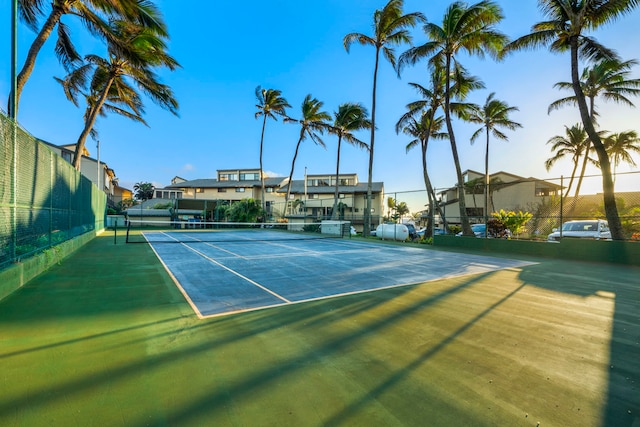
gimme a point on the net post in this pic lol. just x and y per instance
(115, 231)
(127, 234)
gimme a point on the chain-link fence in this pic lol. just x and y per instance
(547, 203)
(43, 199)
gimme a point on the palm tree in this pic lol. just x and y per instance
(401, 209)
(313, 122)
(94, 14)
(144, 51)
(349, 118)
(572, 144)
(390, 29)
(620, 146)
(464, 28)
(270, 105)
(564, 31)
(391, 206)
(608, 78)
(422, 130)
(143, 190)
(432, 100)
(494, 113)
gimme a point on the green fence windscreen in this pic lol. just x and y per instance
(43, 199)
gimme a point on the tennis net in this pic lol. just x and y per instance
(146, 231)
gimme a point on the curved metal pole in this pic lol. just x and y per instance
(14, 59)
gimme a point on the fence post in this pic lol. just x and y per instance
(561, 203)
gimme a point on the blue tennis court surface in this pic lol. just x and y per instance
(232, 276)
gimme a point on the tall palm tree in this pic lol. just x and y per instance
(348, 119)
(432, 100)
(492, 115)
(620, 146)
(422, 130)
(564, 30)
(572, 144)
(270, 104)
(94, 14)
(390, 29)
(468, 28)
(138, 53)
(312, 124)
(608, 78)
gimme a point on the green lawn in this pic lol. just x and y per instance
(105, 338)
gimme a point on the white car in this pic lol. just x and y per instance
(595, 229)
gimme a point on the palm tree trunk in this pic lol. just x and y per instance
(264, 206)
(30, 60)
(584, 167)
(367, 212)
(91, 120)
(611, 210)
(464, 220)
(334, 211)
(573, 175)
(486, 186)
(293, 164)
(430, 192)
(587, 148)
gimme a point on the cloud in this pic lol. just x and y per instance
(188, 168)
(272, 174)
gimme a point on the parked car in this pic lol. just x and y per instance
(413, 234)
(438, 231)
(478, 230)
(595, 229)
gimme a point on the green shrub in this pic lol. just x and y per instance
(311, 228)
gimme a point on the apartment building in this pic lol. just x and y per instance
(506, 191)
(310, 199)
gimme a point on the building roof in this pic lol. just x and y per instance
(135, 211)
(297, 187)
(214, 183)
(516, 180)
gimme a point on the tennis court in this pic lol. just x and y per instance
(106, 338)
(222, 272)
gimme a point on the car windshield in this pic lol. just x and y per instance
(581, 226)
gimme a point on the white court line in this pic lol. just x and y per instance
(310, 253)
(253, 282)
(184, 293)
(238, 274)
(208, 244)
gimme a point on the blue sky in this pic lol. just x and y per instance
(226, 49)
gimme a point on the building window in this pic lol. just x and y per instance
(340, 196)
(313, 196)
(346, 181)
(240, 190)
(228, 177)
(319, 182)
(222, 190)
(199, 190)
(249, 176)
(269, 189)
(542, 192)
